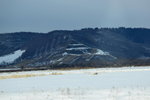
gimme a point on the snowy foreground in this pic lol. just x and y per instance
(132, 83)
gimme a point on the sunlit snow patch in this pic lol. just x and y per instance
(100, 52)
(76, 44)
(10, 58)
(78, 48)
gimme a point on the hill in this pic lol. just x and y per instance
(88, 47)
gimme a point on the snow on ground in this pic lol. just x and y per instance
(128, 83)
(100, 52)
(10, 58)
(77, 48)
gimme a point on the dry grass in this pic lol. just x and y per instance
(74, 68)
(56, 73)
(28, 75)
(20, 76)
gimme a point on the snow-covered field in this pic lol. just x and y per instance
(128, 83)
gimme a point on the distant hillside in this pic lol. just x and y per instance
(98, 47)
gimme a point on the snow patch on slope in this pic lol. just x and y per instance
(78, 48)
(10, 58)
(77, 44)
(100, 52)
(65, 53)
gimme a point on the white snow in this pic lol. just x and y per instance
(100, 52)
(65, 53)
(10, 58)
(77, 48)
(60, 59)
(128, 83)
(56, 60)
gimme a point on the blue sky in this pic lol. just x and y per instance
(48, 15)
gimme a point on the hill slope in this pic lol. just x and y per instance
(78, 48)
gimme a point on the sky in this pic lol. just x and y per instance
(48, 15)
